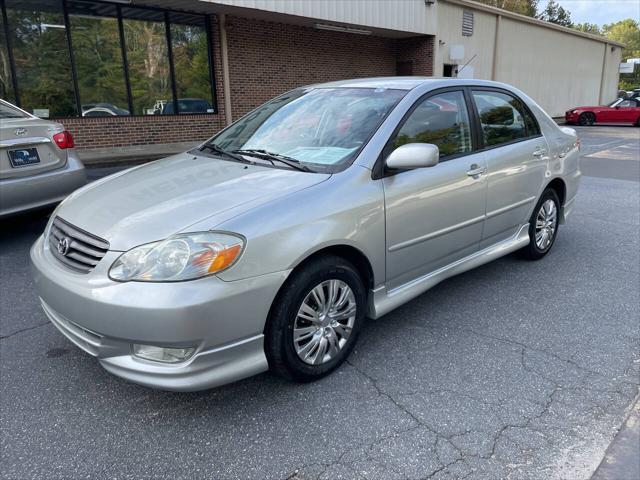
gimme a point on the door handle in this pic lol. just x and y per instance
(539, 152)
(475, 170)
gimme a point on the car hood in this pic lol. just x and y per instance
(158, 199)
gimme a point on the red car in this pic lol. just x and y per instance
(621, 111)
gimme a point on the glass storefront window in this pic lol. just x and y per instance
(41, 56)
(97, 52)
(190, 64)
(6, 80)
(95, 58)
(148, 60)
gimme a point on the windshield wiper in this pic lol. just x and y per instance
(271, 156)
(222, 152)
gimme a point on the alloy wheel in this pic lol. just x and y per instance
(546, 224)
(324, 322)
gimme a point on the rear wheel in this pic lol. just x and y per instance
(586, 119)
(315, 321)
(638, 122)
(543, 226)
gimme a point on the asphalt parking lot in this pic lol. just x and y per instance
(514, 370)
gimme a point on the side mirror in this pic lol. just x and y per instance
(413, 155)
(617, 107)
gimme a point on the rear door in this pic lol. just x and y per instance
(516, 154)
(434, 216)
(26, 144)
(628, 111)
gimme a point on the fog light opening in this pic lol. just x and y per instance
(163, 354)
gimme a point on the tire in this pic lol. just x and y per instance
(638, 122)
(586, 119)
(286, 341)
(540, 245)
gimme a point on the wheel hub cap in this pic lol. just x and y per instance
(324, 322)
(546, 223)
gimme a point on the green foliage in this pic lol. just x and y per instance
(554, 13)
(588, 28)
(627, 32)
(523, 7)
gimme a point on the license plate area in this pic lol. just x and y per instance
(23, 157)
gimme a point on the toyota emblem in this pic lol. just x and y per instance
(63, 246)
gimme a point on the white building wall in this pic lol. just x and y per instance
(559, 69)
(480, 43)
(414, 16)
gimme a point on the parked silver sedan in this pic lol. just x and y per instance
(38, 164)
(269, 244)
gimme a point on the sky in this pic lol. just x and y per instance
(599, 11)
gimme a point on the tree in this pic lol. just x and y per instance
(523, 7)
(627, 32)
(588, 28)
(554, 13)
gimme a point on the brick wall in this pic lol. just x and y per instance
(419, 50)
(265, 59)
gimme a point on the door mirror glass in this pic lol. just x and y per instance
(413, 155)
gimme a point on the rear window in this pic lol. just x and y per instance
(7, 111)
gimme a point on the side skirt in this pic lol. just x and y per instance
(382, 301)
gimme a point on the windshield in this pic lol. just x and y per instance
(615, 102)
(324, 127)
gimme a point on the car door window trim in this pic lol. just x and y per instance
(379, 171)
(479, 132)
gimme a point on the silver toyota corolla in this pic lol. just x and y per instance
(267, 246)
(38, 164)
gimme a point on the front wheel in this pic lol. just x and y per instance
(586, 119)
(315, 321)
(543, 226)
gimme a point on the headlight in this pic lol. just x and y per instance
(181, 257)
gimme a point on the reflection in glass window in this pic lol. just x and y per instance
(98, 56)
(41, 55)
(190, 65)
(502, 117)
(148, 60)
(6, 81)
(441, 120)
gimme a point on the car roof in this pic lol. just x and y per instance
(406, 83)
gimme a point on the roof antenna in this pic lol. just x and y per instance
(470, 60)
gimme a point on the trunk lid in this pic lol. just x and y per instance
(24, 134)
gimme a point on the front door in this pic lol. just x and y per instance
(434, 216)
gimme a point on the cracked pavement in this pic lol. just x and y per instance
(515, 370)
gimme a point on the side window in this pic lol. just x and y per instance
(503, 118)
(627, 104)
(442, 120)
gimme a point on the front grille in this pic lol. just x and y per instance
(75, 248)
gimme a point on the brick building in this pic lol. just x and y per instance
(129, 73)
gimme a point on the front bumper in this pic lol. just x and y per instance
(223, 320)
(570, 117)
(35, 191)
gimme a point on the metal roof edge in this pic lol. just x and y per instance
(523, 18)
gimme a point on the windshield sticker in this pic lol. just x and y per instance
(322, 155)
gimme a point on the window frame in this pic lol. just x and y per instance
(524, 106)
(67, 12)
(379, 169)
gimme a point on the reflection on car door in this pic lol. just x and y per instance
(516, 155)
(434, 216)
